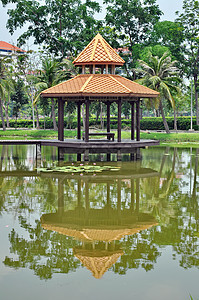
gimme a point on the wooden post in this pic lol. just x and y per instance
(132, 120)
(119, 120)
(78, 156)
(79, 120)
(87, 122)
(108, 157)
(108, 117)
(60, 153)
(60, 119)
(138, 120)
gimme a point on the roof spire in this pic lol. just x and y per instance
(98, 52)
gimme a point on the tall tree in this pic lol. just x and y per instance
(62, 25)
(189, 21)
(52, 73)
(18, 97)
(170, 35)
(161, 75)
(5, 86)
(133, 20)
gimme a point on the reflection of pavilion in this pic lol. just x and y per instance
(99, 229)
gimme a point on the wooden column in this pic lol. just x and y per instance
(119, 120)
(132, 120)
(60, 119)
(79, 120)
(87, 122)
(138, 120)
(108, 117)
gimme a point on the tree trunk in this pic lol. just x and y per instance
(6, 114)
(175, 120)
(196, 97)
(53, 115)
(163, 118)
(37, 115)
(2, 117)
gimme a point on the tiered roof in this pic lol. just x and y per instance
(99, 85)
(94, 234)
(98, 262)
(98, 52)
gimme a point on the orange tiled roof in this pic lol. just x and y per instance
(8, 47)
(99, 85)
(98, 51)
(98, 265)
(106, 235)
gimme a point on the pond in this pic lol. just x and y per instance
(129, 231)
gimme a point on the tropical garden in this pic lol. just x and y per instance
(162, 55)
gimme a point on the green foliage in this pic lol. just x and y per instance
(65, 25)
(18, 97)
(147, 123)
(79, 169)
(169, 34)
(157, 50)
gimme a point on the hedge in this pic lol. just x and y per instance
(147, 123)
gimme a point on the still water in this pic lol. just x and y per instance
(130, 234)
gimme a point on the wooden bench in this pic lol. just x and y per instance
(110, 135)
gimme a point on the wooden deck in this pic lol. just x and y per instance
(78, 146)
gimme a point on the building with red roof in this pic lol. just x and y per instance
(7, 49)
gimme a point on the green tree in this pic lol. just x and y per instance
(51, 74)
(61, 25)
(18, 97)
(161, 75)
(5, 86)
(189, 22)
(133, 21)
(169, 34)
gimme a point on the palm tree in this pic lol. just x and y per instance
(5, 88)
(162, 75)
(52, 73)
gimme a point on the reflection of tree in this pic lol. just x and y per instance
(138, 252)
(166, 197)
(43, 251)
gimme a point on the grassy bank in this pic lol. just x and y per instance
(181, 138)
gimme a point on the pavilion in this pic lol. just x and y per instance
(98, 82)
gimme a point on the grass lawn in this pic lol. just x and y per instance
(174, 139)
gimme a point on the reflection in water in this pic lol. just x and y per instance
(107, 221)
(98, 229)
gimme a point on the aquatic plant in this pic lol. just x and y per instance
(79, 169)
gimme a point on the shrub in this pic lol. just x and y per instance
(146, 123)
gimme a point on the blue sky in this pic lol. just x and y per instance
(169, 7)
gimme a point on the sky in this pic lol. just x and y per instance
(169, 7)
